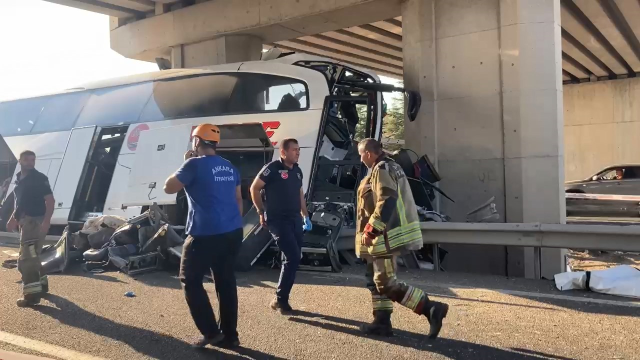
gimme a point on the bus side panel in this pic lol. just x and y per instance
(118, 189)
(301, 125)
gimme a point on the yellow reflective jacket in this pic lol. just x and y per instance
(385, 201)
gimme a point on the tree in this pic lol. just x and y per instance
(393, 123)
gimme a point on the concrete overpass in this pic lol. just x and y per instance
(490, 73)
(600, 38)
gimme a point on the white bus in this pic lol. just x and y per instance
(108, 146)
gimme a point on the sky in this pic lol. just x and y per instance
(47, 47)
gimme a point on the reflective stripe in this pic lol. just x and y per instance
(32, 288)
(32, 251)
(401, 209)
(377, 224)
(382, 304)
(412, 298)
(397, 237)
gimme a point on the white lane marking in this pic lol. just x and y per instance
(44, 348)
(631, 304)
(5, 355)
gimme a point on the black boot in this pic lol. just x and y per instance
(435, 313)
(381, 324)
(28, 301)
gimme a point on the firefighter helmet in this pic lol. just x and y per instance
(207, 132)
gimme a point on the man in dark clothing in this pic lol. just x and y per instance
(286, 214)
(34, 205)
(214, 225)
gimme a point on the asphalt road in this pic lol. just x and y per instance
(87, 316)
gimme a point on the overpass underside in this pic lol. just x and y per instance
(490, 73)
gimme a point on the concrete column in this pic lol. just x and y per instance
(489, 72)
(222, 50)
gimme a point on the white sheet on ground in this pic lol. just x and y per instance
(621, 280)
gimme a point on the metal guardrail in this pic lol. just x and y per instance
(564, 236)
(535, 235)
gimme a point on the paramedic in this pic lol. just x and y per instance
(214, 226)
(34, 205)
(286, 214)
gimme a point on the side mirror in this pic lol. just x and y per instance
(414, 101)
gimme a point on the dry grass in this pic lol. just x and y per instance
(593, 260)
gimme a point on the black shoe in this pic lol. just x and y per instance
(435, 313)
(229, 343)
(204, 341)
(283, 307)
(28, 301)
(381, 325)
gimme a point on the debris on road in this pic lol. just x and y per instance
(133, 246)
(130, 294)
(138, 245)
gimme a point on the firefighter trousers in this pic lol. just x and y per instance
(34, 281)
(386, 289)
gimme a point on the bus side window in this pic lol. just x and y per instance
(60, 112)
(18, 117)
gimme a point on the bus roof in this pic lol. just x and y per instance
(172, 73)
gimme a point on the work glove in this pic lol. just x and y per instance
(369, 234)
(307, 224)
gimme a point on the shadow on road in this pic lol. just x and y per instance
(452, 349)
(589, 307)
(152, 344)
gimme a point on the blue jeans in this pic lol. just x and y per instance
(288, 234)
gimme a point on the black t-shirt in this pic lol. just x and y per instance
(282, 189)
(30, 192)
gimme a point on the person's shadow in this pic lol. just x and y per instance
(450, 348)
(157, 346)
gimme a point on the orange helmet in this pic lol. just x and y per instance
(207, 133)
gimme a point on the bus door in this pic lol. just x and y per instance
(71, 171)
(337, 168)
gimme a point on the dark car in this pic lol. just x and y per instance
(613, 192)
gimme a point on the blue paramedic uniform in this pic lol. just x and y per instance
(284, 219)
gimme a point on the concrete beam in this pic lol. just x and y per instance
(100, 7)
(139, 5)
(579, 26)
(222, 50)
(353, 49)
(271, 20)
(394, 74)
(378, 34)
(576, 50)
(364, 41)
(342, 55)
(607, 18)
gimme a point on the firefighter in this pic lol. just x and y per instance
(34, 204)
(387, 225)
(286, 214)
(214, 226)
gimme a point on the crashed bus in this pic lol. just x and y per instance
(107, 147)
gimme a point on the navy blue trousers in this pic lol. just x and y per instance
(288, 233)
